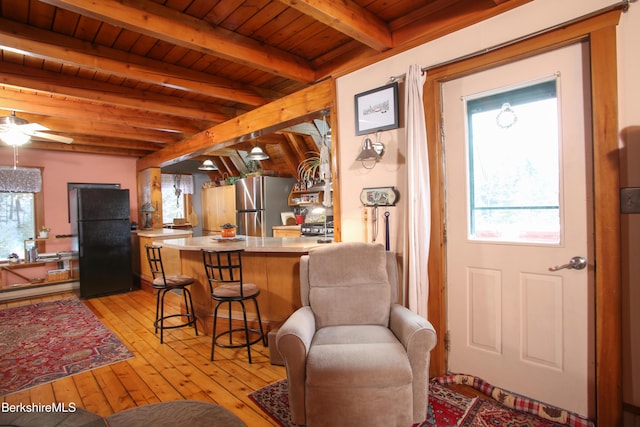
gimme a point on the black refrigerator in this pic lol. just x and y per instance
(102, 239)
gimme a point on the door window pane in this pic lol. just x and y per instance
(513, 160)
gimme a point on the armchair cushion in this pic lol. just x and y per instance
(338, 277)
(367, 355)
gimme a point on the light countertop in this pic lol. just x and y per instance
(286, 227)
(249, 244)
(164, 233)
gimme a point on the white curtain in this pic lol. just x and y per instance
(418, 200)
(172, 182)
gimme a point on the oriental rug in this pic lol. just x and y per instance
(446, 408)
(43, 342)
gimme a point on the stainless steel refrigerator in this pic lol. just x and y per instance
(259, 202)
(102, 238)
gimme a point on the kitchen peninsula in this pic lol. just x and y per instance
(271, 263)
(170, 258)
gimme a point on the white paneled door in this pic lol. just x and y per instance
(518, 208)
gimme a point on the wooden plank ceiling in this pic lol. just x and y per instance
(130, 77)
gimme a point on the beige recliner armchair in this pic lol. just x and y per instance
(354, 357)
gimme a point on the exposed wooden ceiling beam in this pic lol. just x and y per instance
(107, 130)
(42, 44)
(42, 105)
(88, 149)
(152, 19)
(122, 143)
(349, 18)
(93, 91)
(267, 119)
(292, 153)
(443, 17)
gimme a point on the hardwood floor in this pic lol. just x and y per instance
(178, 369)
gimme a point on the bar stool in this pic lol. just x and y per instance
(167, 283)
(224, 274)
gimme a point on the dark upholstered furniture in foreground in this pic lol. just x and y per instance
(190, 413)
(355, 357)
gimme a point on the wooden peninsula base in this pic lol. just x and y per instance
(271, 263)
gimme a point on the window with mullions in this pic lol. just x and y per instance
(513, 160)
(17, 222)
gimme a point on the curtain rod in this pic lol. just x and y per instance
(624, 5)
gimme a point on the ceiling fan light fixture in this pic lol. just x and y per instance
(14, 137)
(208, 165)
(256, 153)
(11, 122)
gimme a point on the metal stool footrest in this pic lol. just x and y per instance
(242, 344)
(158, 324)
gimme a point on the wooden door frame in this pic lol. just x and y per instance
(599, 33)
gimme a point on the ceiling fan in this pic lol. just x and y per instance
(16, 131)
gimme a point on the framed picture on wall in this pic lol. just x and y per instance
(377, 109)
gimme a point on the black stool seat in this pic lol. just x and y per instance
(165, 283)
(224, 273)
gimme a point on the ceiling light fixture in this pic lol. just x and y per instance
(256, 153)
(10, 132)
(208, 165)
(14, 137)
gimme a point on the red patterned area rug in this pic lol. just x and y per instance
(447, 408)
(43, 342)
(510, 409)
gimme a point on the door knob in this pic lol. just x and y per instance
(575, 263)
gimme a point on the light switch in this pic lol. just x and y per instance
(630, 200)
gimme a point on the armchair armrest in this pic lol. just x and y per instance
(418, 337)
(411, 329)
(293, 341)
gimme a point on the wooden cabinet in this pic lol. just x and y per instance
(218, 207)
(286, 231)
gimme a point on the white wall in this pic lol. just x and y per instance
(528, 19)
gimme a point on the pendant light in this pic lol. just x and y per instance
(208, 165)
(256, 153)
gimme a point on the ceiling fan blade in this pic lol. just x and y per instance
(52, 137)
(30, 128)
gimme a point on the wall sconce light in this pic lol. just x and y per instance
(256, 153)
(208, 165)
(371, 151)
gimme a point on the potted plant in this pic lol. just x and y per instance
(228, 230)
(44, 232)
